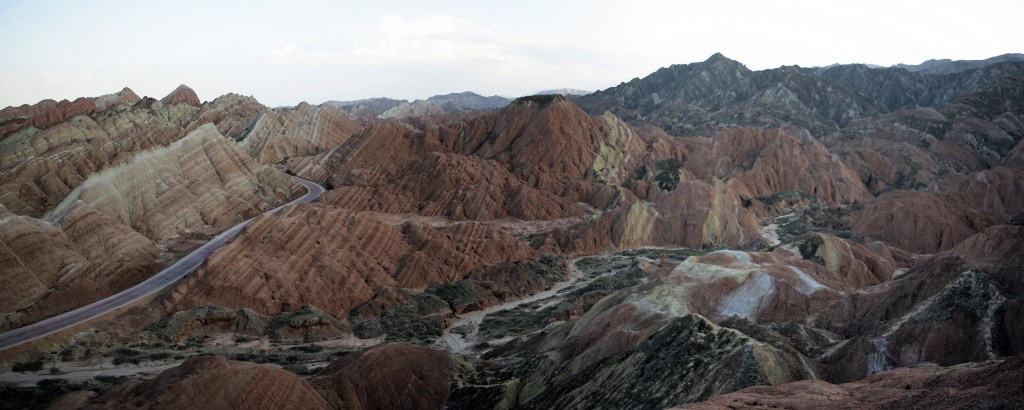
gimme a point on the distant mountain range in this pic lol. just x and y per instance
(564, 91)
(947, 66)
(719, 92)
(438, 104)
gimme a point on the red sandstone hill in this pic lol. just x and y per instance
(181, 95)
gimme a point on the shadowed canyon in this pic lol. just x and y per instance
(707, 237)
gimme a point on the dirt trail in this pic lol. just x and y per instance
(462, 344)
(77, 373)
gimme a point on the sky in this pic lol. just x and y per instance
(283, 53)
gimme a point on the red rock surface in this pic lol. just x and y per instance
(100, 172)
(387, 167)
(52, 162)
(449, 185)
(771, 161)
(233, 115)
(126, 96)
(43, 114)
(996, 245)
(982, 385)
(50, 268)
(337, 259)
(394, 376)
(920, 221)
(204, 180)
(181, 95)
(306, 129)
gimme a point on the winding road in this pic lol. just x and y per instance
(159, 281)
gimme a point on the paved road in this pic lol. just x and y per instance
(159, 281)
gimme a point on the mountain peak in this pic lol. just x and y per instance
(441, 97)
(716, 57)
(542, 100)
(182, 94)
(720, 58)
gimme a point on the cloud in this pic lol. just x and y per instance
(432, 40)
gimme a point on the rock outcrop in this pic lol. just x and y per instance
(919, 221)
(181, 95)
(336, 260)
(50, 268)
(626, 356)
(300, 131)
(445, 104)
(448, 185)
(126, 96)
(395, 376)
(48, 164)
(366, 109)
(202, 180)
(719, 92)
(233, 114)
(43, 114)
(947, 66)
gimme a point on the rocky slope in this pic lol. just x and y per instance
(366, 109)
(947, 66)
(51, 267)
(983, 385)
(303, 130)
(341, 258)
(99, 201)
(386, 108)
(181, 95)
(445, 104)
(568, 92)
(747, 228)
(43, 114)
(202, 180)
(205, 382)
(41, 166)
(388, 377)
(693, 98)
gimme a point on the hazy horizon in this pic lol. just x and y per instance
(317, 51)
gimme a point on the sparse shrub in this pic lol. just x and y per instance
(126, 352)
(106, 378)
(124, 360)
(30, 366)
(158, 356)
(245, 357)
(308, 348)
